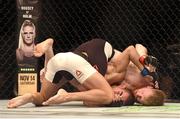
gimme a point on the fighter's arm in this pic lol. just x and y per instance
(113, 74)
(151, 61)
(114, 78)
(142, 50)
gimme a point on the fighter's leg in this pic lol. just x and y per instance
(61, 97)
(47, 90)
(98, 88)
(20, 100)
(77, 85)
(44, 47)
(99, 92)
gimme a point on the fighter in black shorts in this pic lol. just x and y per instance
(97, 52)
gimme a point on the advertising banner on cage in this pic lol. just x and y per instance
(28, 15)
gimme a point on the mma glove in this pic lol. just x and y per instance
(146, 60)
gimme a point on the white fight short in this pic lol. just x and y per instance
(70, 62)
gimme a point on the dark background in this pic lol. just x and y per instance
(153, 23)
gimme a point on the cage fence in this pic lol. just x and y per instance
(153, 23)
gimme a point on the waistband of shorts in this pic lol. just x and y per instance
(113, 52)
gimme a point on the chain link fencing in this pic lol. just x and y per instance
(153, 23)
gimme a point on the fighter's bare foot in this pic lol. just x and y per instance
(42, 47)
(59, 98)
(20, 100)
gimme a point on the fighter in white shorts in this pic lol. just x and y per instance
(99, 91)
(98, 52)
(67, 63)
(78, 67)
(87, 51)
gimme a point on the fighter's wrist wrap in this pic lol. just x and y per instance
(145, 72)
(142, 59)
(155, 76)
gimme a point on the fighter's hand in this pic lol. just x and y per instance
(151, 68)
(151, 60)
(117, 100)
(151, 64)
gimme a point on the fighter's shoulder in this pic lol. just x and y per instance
(117, 52)
(117, 55)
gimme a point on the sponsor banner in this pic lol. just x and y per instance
(27, 83)
(28, 15)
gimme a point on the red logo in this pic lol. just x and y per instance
(78, 73)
